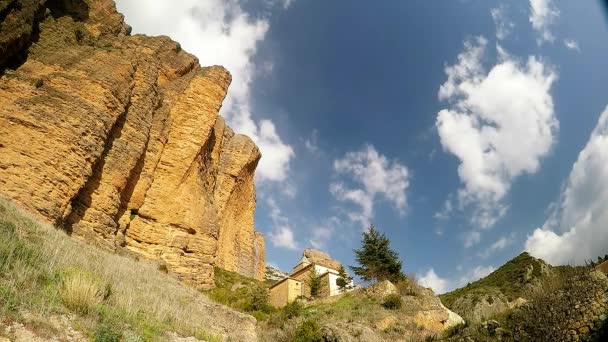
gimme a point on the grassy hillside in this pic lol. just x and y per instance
(49, 283)
(241, 293)
(509, 280)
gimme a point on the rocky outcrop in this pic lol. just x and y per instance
(117, 139)
(274, 274)
(321, 258)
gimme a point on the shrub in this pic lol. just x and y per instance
(259, 300)
(81, 291)
(293, 309)
(392, 302)
(106, 333)
(409, 287)
(308, 331)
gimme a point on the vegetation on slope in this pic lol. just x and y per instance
(510, 280)
(241, 293)
(569, 305)
(107, 297)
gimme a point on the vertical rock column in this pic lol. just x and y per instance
(177, 222)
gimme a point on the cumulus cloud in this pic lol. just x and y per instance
(374, 175)
(576, 229)
(442, 285)
(572, 44)
(432, 280)
(503, 24)
(219, 32)
(281, 235)
(542, 16)
(499, 124)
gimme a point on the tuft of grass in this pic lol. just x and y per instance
(392, 302)
(81, 291)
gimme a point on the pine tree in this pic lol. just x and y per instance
(343, 280)
(377, 261)
(314, 282)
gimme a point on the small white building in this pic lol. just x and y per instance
(296, 285)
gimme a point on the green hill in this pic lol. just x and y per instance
(509, 282)
(527, 299)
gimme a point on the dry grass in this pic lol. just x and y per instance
(43, 270)
(81, 291)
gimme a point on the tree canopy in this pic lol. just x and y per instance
(377, 260)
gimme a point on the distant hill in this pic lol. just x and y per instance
(527, 299)
(274, 274)
(503, 288)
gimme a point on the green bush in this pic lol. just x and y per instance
(392, 302)
(308, 331)
(259, 300)
(293, 309)
(106, 333)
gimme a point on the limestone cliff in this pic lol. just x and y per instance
(117, 139)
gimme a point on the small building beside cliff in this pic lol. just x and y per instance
(296, 285)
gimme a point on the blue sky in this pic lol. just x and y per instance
(467, 131)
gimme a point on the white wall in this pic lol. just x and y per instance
(334, 289)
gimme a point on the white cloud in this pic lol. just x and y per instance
(283, 237)
(499, 125)
(577, 228)
(321, 236)
(432, 280)
(476, 274)
(497, 246)
(471, 238)
(219, 32)
(442, 285)
(377, 176)
(281, 234)
(542, 16)
(572, 44)
(312, 143)
(504, 26)
(446, 210)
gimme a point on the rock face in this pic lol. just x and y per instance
(117, 139)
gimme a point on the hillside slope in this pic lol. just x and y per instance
(505, 288)
(529, 300)
(125, 147)
(55, 288)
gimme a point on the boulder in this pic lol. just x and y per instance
(381, 289)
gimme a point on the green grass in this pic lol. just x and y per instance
(241, 293)
(45, 273)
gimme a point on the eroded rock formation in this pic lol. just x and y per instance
(117, 139)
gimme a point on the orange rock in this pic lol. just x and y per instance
(117, 139)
